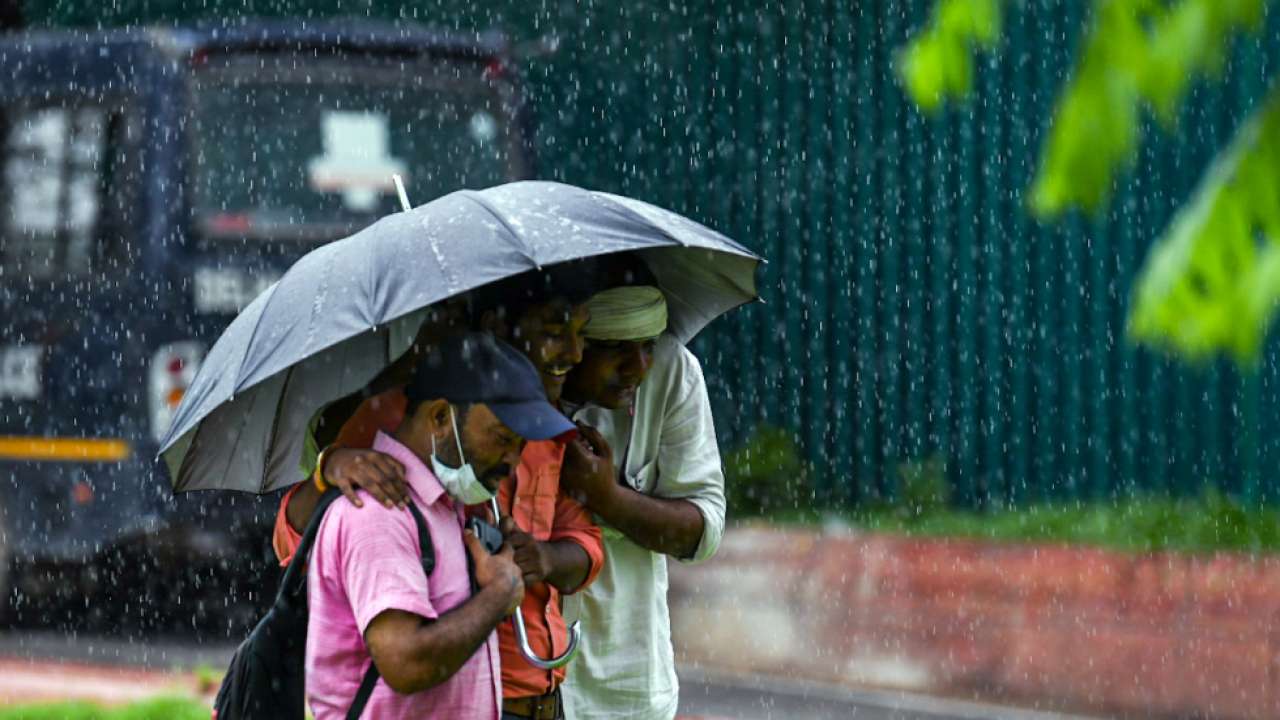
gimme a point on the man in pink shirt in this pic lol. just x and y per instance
(374, 611)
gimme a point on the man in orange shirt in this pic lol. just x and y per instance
(558, 548)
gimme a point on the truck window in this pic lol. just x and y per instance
(64, 193)
(315, 140)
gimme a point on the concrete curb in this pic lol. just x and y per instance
(1145, 634)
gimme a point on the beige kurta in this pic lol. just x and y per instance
(626, 667)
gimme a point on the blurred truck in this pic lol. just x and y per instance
(152, 182)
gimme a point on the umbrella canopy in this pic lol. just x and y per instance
(346, 310)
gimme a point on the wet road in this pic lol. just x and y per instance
(711, 697)
(703, 696)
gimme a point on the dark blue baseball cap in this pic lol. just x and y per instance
(476, 367)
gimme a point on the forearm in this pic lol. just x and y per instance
(302, 505)
(668, 526)
(440, 648)
(570, 565)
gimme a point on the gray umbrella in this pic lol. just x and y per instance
(346, 310)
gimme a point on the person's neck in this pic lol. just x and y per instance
(414, 443)
(557, 403)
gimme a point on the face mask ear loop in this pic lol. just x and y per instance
(493, 500)
(453, 420)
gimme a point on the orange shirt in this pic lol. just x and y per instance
(539, 509)
(546, 514)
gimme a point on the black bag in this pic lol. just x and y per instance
(266, 678)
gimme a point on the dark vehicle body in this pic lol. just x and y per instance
(152, 182)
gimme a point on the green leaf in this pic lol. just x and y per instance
(1211, 283)
(1138, 53)
(937, 64)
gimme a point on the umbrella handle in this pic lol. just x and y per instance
(522, 635)
(522, 639)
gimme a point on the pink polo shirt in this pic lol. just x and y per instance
(366, 561)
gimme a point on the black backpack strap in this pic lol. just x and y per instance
(428, 551)
(425, 546)
(294, 583)
(362, 695)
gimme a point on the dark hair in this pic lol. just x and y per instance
(575, 281)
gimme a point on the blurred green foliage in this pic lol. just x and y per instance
(937, 64)
(1212, 280)
(1212, 522)
(767, 474)
(1136, 52)
(923, 488)
(172, 708)
(208, 678)
(766, 477)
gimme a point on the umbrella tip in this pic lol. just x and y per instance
(400, 191)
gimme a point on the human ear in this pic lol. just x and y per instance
(436, 415)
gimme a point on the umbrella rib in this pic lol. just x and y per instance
(184, 475)
(257, 323)
(275, 430)
(519, 243)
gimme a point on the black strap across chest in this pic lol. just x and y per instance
(294, 581)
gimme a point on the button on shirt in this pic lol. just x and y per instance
(367, 561)
(626, 667)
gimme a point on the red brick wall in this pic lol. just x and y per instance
(1147, 634)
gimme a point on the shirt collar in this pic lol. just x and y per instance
(572, 409)
(421, 480)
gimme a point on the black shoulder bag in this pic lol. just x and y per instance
(266, 678)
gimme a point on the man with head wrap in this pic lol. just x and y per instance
(658, 493)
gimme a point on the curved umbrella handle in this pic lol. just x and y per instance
(522, 635)
(522, 639)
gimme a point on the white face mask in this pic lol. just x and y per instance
(461, 482)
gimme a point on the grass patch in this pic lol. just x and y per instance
(163, 708)
(208, 678)
(1206, 524)
(767, 478)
